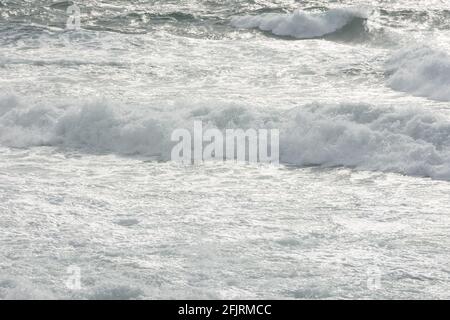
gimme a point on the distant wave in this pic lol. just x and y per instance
(301, 24)
(408, 141)
(421, 71)
(424, 18)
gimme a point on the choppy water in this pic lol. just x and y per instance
(359, 207)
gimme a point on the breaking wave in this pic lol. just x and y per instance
(302, 24)
(93, 127)
(407, 141)
(421, 71)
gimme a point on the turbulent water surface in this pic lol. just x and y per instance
(358, 208)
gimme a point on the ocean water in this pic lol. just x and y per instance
(91, 207)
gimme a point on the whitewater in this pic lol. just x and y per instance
(357, 209)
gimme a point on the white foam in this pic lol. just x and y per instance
(301, 24)
(421, 71)
(21, 289)
(408, 141)
(411, 142)
(95, 126)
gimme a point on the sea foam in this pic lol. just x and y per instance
(95, 126)
(301, 24)
(409, 141)
(421, 71)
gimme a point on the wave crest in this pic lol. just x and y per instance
(421, 71)
(407, 141)
(95, 127)
(301, 24)
(411, 141)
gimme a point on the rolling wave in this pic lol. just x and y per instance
(421, 71)
(302, 24)
(408, 141)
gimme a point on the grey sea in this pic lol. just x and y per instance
(92, 207)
